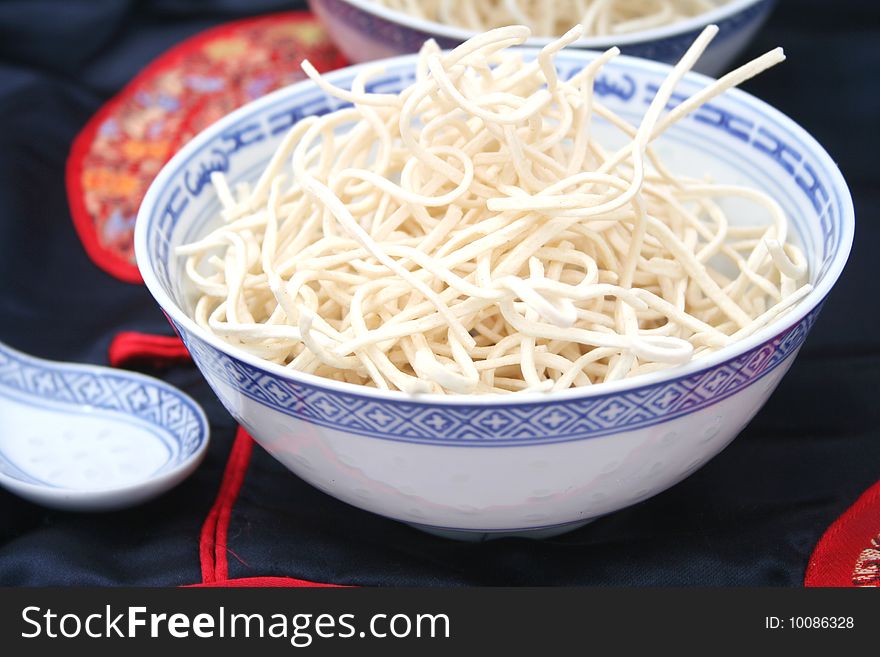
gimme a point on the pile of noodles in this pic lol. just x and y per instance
(472, 235)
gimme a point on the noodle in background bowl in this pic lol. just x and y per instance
(525, 463)
(364, 30)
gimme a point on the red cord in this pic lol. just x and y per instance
(128, 347)
(159, 350)
(264, 582)
(212, 545)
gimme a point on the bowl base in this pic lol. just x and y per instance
(480, 535)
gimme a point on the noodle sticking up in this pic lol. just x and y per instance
(547, 19)
(471, 235)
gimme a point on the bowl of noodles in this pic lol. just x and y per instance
(498, 290)
(661, 30)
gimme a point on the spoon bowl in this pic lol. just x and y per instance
(89, 438)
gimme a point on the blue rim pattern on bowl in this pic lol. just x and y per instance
(160, 408)
(519, 424)
(409, 39)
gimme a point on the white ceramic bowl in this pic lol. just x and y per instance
(364, 31)
(524, 462)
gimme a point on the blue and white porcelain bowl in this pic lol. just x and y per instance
(364, 30)
(490, 465)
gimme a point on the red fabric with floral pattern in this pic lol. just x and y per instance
(122, 148)
(849, 552)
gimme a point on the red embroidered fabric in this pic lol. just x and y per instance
(121, 149)
(849, 552)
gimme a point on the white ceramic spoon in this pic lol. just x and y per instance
(88, 438)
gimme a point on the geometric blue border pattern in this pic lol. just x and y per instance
(499, 425)
(152, 402)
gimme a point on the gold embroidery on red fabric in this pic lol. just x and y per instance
(867, 570)
(207, 79)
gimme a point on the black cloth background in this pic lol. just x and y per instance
(750, 517)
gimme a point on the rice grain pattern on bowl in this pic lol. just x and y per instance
(365, 30)
(477, 466)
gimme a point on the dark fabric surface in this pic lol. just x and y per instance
(749, 517)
